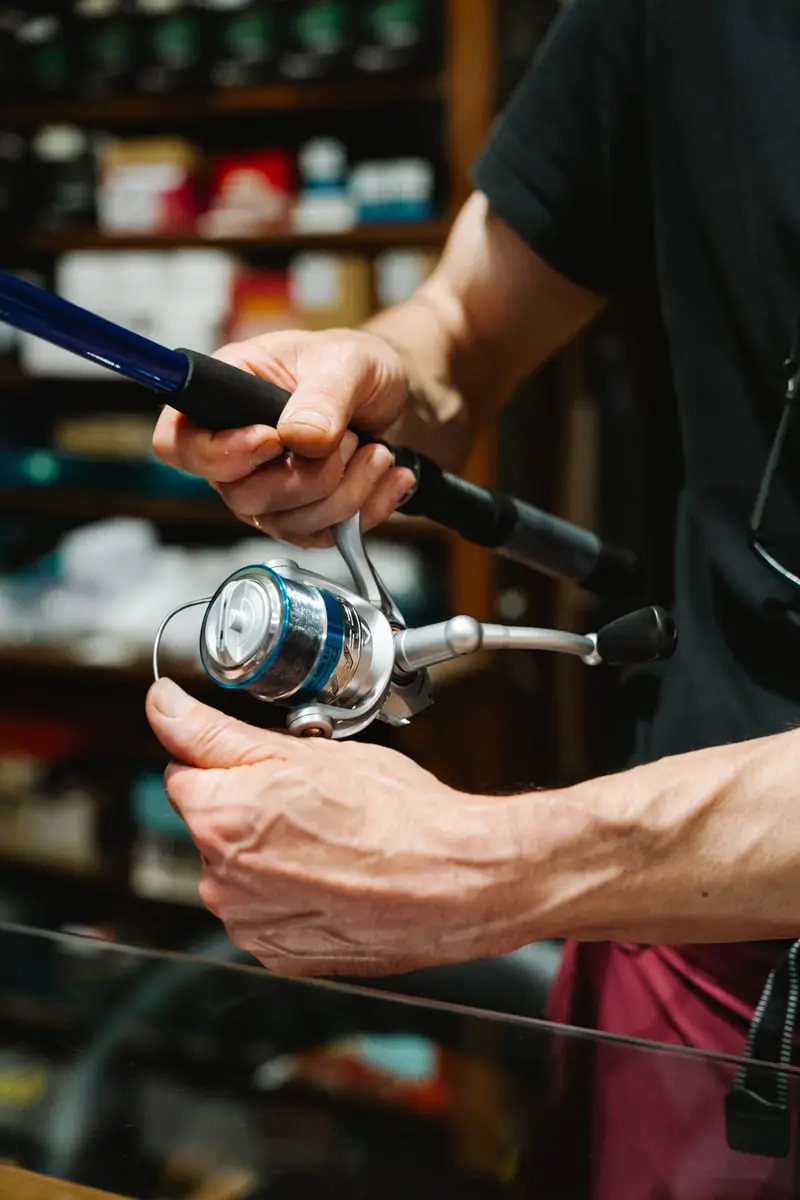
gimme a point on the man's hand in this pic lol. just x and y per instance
(426, 374)
(336, 378)
(330, 858)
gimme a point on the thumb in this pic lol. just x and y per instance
(337, 381)
(199, 736)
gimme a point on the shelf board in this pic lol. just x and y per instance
(12, 375)
(71, 504)
(25, 1185)
(365, 92)
(172, 917)
(374, 237)
(60, 868)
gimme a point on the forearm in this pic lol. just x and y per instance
(490, 315)
(439, 416)
(702, 847)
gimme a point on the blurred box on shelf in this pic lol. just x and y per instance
(172, 45)
(14, 179)
(63, 178)
(44, 466)
(165, 864)
(397, 36)
(394, 191)
(150, 186)
(176, 297)
(43, 819)
(324, 204)
(247, 38)
(105, 435)
(261, 303)
(400, 273)
(48, 59)
(58, 828)
(331, 291)
(250, 194)
(12, 16)
(321, 36)
(105, 34)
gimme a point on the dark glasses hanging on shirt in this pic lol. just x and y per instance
(781, 559)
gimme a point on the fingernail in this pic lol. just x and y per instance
(382, 458)
(406, 486)
(170, 700)
(312, 418)
(348, 447)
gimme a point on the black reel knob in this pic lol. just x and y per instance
(646, 636)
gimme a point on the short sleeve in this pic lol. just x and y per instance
(566, 164)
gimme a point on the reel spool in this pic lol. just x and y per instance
(325, 653)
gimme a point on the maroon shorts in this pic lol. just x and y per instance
(633, 1124)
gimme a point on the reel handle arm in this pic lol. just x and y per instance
(645, 636)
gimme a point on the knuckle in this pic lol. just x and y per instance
(211, 895)
(249, 497)
(209, 736)
(308, 529)
(177, 787)
(312, 541)
(164, 446)
(260, 492)
(208, 837)
(240, 936)
(316, 481)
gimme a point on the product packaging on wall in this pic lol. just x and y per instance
(67, 178)
(205, 297)
(112, 47)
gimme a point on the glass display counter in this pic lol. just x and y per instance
(199, 1076)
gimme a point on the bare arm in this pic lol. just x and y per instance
(344, 858)
(702, 847)
(490, 315)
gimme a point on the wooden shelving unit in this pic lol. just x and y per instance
(73, 505)
(463, 738)
(366, 93)
(364, 238)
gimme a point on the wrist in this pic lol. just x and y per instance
(434, 418)
(575, 853)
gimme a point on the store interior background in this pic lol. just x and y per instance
(189, 172)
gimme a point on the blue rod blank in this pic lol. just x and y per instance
(53, 319)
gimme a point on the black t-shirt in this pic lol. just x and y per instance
(654, 148)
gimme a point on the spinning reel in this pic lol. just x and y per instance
(338, 659)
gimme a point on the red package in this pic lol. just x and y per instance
(250, 193)
(261, 303)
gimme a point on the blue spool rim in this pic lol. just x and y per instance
(245, 681)
(328, 656)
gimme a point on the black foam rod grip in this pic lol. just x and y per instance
(647, 636)
(525, 534)
(219, 396)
